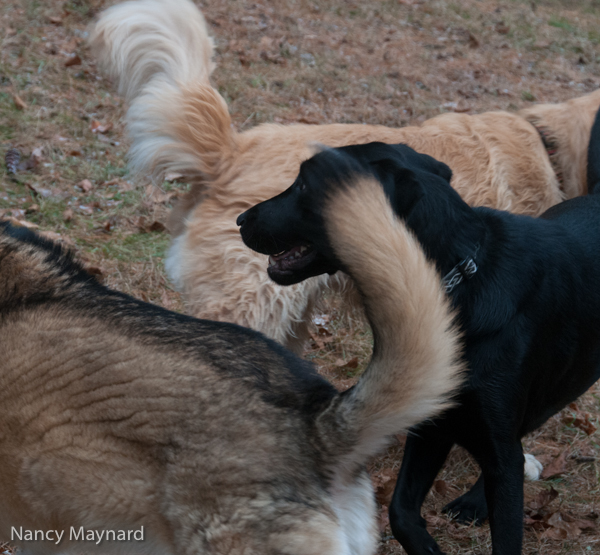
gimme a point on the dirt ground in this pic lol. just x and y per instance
(391, 62)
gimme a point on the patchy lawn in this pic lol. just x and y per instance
(392, 62)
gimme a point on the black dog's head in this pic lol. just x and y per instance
(290, 226)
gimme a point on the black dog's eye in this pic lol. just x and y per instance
(301, 185)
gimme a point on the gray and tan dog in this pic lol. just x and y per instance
(206, 437)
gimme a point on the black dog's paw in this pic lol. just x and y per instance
(467, 510)
(419, 542)
(412, 534)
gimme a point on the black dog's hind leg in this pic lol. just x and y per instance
(424, 455)
(503, 474)
(470, 507)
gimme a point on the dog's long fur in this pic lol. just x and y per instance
(159, 52)
(526, 290)
(117, 414)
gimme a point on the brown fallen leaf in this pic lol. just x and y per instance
(74, 60)
(85, 185)
(384, 483)
(585, 524)
(560, 529)
(55, 20)
(535, 521)
(440, 486)
(266, 42)
(109, 225)
(556, 467)
(98, 127)
(322, 330)
(352, 363)
(581, 421)
(68, 215)
(95, 271)
(124, 186)
(273, 58)
(543, 498)
(37, 155)
(462, 106)
(158, 196)
(32, 209)
(19, 102)
(473, 41)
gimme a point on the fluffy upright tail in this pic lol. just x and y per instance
(416, 365)
(593, 160)
(160, 54)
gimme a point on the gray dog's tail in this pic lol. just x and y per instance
(416, 367)
(160, 54)
(593, 163)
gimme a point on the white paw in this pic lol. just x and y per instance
(533, 468)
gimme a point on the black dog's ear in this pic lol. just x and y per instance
(424, 163)
(400, 184)
(441, 169)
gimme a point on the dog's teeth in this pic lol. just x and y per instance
(271, 261)
(302, 249)
(297, 255)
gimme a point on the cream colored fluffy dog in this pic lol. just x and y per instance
(160, 53)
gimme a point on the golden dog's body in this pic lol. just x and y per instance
(118, 415)
(160, 55)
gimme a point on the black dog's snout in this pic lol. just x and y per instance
(241, 219)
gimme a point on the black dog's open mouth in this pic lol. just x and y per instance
(291, 261)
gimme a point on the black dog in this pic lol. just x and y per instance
(528, 300)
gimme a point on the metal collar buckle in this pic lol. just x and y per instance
(463, 270)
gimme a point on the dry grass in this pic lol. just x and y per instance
(391, 62)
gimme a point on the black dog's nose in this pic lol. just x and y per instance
(241, 219)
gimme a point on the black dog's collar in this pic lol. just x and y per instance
(463, 270)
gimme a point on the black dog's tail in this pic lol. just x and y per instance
(416, 368)
(593, 165)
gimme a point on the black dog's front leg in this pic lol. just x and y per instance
(424, 455)
(470, 507)
(503, 475)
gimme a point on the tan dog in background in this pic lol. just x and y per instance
(205, 438)
(159, 52)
